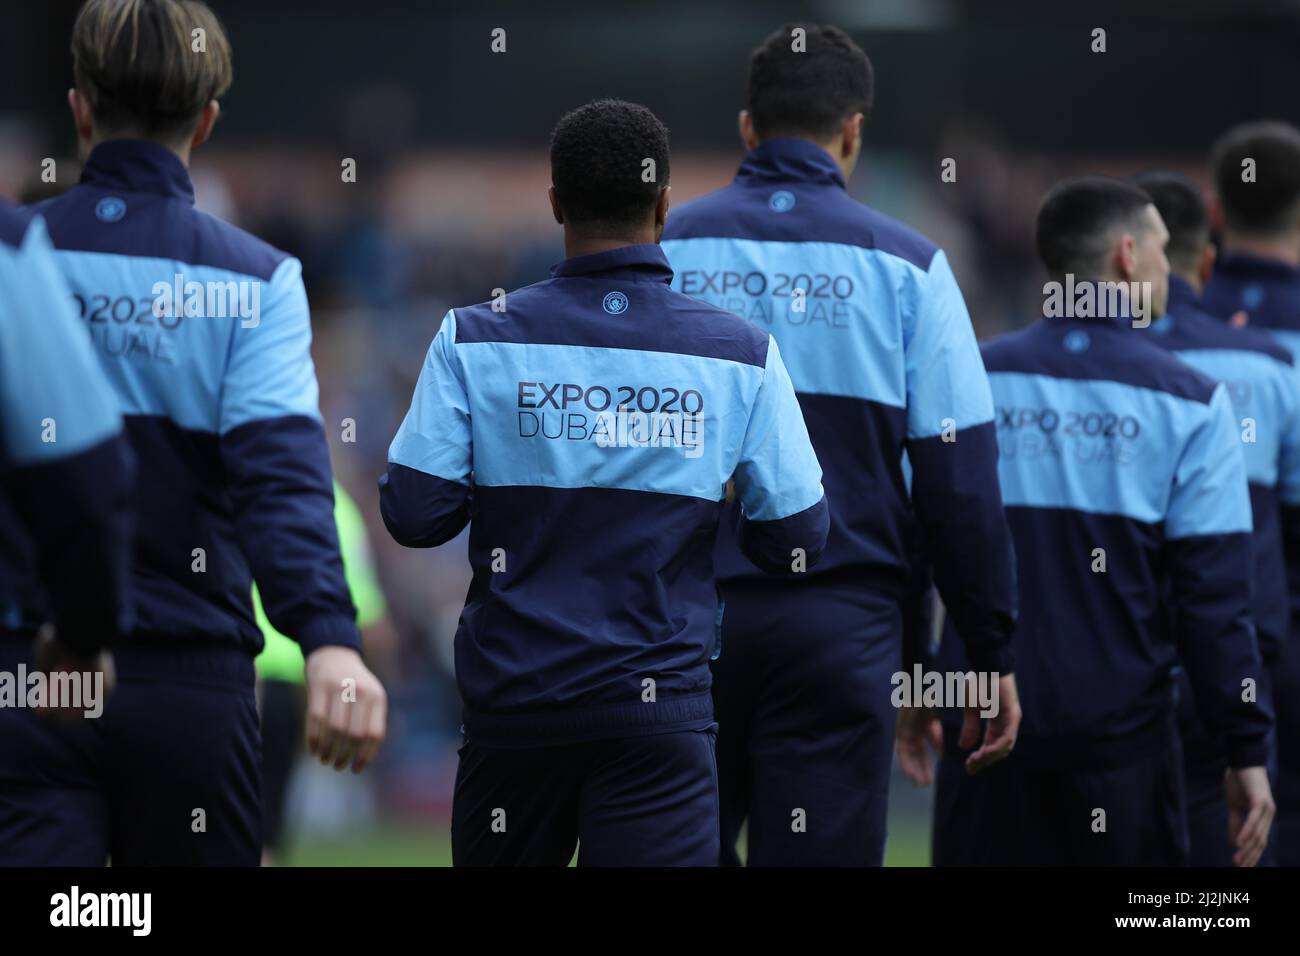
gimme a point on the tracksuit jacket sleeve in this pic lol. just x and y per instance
(425, 497)
(952, 444)
(1288, 492)
(784, 511)
(275, 453)
(918, 610)
(69, 467)
(1208, 530)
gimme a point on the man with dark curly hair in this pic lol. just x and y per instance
(585, 427)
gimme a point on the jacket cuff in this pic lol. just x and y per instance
(335, 631)
(1247, 752)
(992, 657)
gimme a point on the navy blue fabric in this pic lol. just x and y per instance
(163, 222)
(65, 527)
(579, 673)
(870, 516)
(1185, 327)
(1268, 291)
(422, 511)
(802, 696)
(279, 486)
(1205, 762)
(12, 224)
(636, 801)
(966, 542)
(180, 733)
(65, 522)
(593, 610)
(1193, 327)
(1095, 652)
(1015, 813)
(1119, 353)
(822, 212)
(256, 495)
(770, 544)
(861, 442)
(645, 275)
(1286, 694)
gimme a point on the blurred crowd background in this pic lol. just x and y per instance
(450, 144)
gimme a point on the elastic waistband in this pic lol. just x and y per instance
(573, 725)
(210, 665)
(844, 578)
(189, 662)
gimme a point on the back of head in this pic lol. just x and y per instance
(609, 162)
(1079, 220)
(149, 67)
(1257, 176)
(807, 84)
(1183, 209)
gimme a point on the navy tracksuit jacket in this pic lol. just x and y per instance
(1268, 292)
(1260, 377)
(884, 362)
(65, 470)
(1123, 478)
(585, 428)
(203, 334)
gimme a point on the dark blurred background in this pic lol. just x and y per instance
(450, 141)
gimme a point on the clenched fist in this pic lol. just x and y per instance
(347, 709)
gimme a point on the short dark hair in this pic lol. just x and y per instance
(134, 61)
(1183, 209)
(1271, 203)
(1077, 219)
(808, 93)
(598, 167)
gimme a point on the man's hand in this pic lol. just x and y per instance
(1000, 735)
(1250, 813)
(53, 656)
(347, 709)
(917, 731)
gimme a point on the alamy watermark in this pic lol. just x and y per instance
(133, 911)
(214, 299)
(958, 689)
(1098, 300)
(60, 690)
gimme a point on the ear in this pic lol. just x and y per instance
(207, 119)
(556, 211)
(1125, 256)
(661, 211)
(82, 117)
(1206, 265)
(851, 135)
(748, 135)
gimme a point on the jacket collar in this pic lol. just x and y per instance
(133, 165)
(1243, 265)
(1181, 294)
(790, 160)
(640, 261)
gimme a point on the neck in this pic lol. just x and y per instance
(576, 244)
(845, 163)
(180, 150)
(1284, 248)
